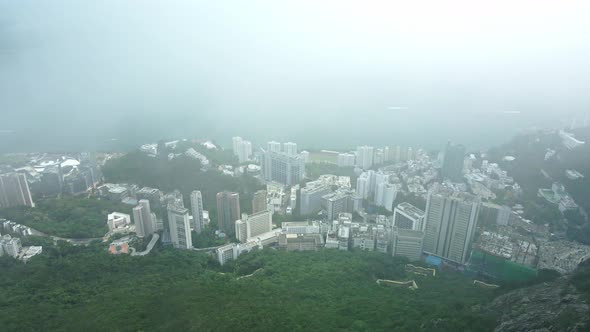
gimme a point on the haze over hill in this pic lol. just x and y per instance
(76, 75)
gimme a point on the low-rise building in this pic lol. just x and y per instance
(300, 242)
(343, 237)
(118, 221)
(381, 239)
(363, 237)
(332, 241)
(301, 227)
(227, 253)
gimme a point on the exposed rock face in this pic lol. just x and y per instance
(554, 306)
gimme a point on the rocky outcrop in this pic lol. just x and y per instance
(553, 306)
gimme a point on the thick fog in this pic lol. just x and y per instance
(334, 74)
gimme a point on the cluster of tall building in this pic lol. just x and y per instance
(242, 149)
(197, 210)
(365, 157)
(330, 193)
(281, 167)
(451, 220)
(375, 186)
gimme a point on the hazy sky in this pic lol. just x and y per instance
(339, 72)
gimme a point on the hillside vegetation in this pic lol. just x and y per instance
(73, 288)
(182, 173)
(528, 167)
(67, 217)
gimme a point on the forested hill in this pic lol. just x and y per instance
(532, 171)
(530, 151)
(85, 289)
(182, 173)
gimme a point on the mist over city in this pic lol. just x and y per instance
(294, 165)
(82, 73)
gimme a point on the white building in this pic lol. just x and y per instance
(282, 168)
(364, 157)
(192, 153)
(227, 253)
(362, 185)
(253, 225)
(300, 227)
(290, 148)
(232, 251)
(11, 246)
(273, 146)
(305, 156)
(407, 216)
(145, 222)
(117, 220)
(311, 197)
(346, 160)
(197, 210)
(180, 228)
(242, 149)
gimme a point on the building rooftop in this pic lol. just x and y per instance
(410, 209)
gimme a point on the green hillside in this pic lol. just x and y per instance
(85, 289)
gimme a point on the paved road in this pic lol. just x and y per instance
(149, 248)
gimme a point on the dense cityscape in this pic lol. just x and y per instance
(401, 201)
(294, 165)
(452, 210)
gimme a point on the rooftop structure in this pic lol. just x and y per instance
(311, 197)
(407, 216)
(569, 140)
(118, 221)
(300, 227)
(300, 242)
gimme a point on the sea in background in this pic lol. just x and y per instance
(341, 130)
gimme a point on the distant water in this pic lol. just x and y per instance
(333, 131)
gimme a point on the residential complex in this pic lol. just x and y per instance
(242, 149)
(451, 219)
(253, 225)
(145, 220)
(259, 201)
(197, 210)
(364, 157)
(310, 200)
(179, 226)
(228, 211)
(282, 168)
